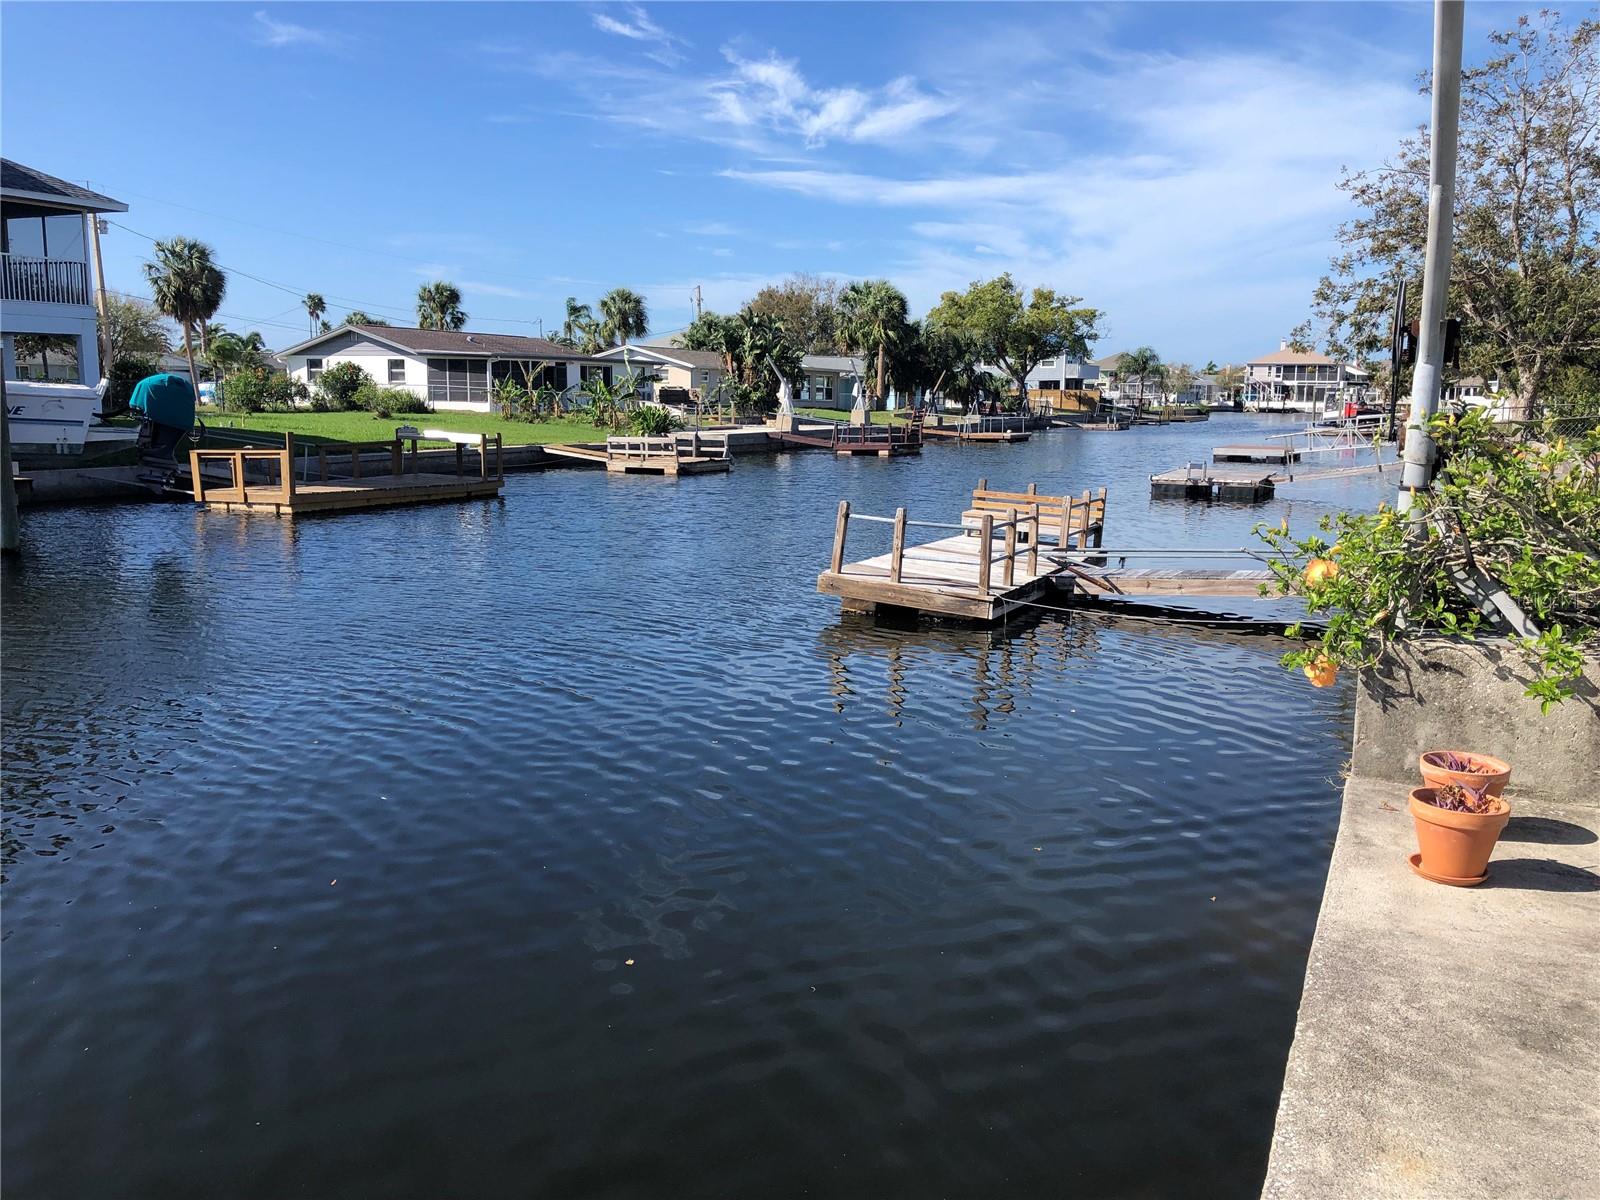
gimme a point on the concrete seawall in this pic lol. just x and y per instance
(1448, 1042)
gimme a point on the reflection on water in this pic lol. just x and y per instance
(574, 845)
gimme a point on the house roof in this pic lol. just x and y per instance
(832, 362)
(25, 183)
(1294, 358)
(1110, 361)
(676, 355)
(460, 343)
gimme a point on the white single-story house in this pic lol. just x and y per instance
(452, 369)
(697, 372)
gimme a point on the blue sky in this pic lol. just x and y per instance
(1172, 164)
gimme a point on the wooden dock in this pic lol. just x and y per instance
(881, 441)
(1279, 453)
(1012, 551)
(276, 490)
(981, 569)
(671, 454)
(982, 429)
(1197, 481)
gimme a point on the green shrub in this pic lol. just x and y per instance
(339, 384)
(386, 401)
(120, 381)
(261, 390)
(650, 421)
(1517, 506)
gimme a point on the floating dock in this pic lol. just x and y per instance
(1197, 481)
(670, 454)
(1278, 453)
(276, 490)
(981, 569)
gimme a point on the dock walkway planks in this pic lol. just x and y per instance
(940, 577)
(339, 495)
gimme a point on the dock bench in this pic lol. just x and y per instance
(1066, 520)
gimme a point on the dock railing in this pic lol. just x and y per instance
(695, 446)
(280, 488)
(952, 552)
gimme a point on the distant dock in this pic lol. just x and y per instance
(671, 454)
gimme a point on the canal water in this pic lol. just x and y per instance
(572, 845)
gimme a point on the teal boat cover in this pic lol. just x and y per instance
(165, 399)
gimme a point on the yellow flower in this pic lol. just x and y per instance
(1321, 570)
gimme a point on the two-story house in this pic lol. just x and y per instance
(49, 330)
(1299, 381)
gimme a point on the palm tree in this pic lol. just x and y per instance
(874, 321)
(357, 317)
(578, 317)
(623, 316)
(315, 307)
(439, 306)
(1142, 364)
(186, 285)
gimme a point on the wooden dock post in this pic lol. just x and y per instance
(1010, 573)
(397, 461)
(841, 525)
(897, 552)
(238, 476)
(500, 457)
(288, 466)
(985, 550)
(461, 459)
(483, 456)
(195, 477)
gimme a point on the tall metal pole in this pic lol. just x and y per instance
(1417, 472)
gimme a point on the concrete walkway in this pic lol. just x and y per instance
(1449, 1038)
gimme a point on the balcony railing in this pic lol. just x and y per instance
(48, 280)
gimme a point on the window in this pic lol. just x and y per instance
(458, 380)
(313, 369)
(822, 391)
(397, 370)
(589, 371)
(1048, 362)
(47, 357)
(705, 378)
(1049, 385)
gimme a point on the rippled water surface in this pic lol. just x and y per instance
(572, 845)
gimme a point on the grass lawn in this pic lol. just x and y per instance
(365, 427)
(843, 414)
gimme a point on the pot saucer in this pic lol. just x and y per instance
(1454, 881)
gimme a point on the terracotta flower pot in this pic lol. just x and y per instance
(1455, 846)
(1494, 780)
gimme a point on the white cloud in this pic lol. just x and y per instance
(1211, 228)
(640, 27)
(270, 32)
(772, 92)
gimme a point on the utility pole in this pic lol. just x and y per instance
(10, 541)
(1418, 458)
(697, 302)
(101, 340)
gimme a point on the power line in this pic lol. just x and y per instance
(294, 291)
